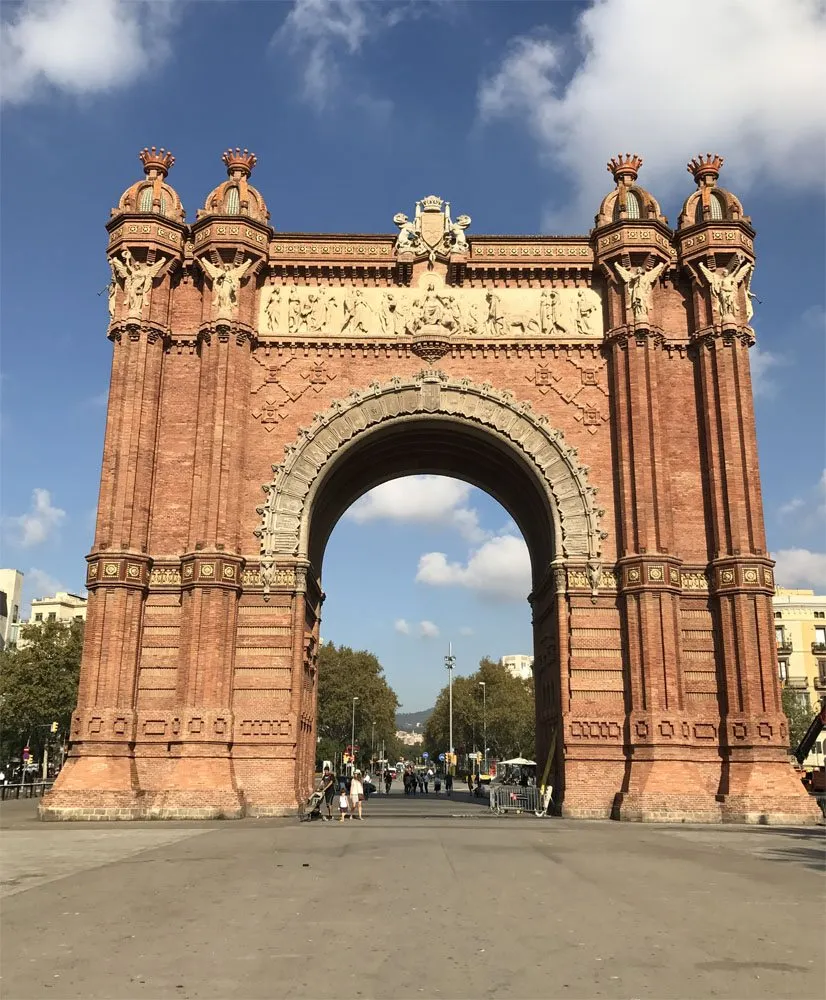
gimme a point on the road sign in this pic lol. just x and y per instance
(26, 754)
(425, 755)
(441, 757)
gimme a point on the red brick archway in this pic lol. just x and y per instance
(598, 386)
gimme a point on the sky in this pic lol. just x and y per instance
(355, 110)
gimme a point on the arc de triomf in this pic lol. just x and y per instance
(598, 386)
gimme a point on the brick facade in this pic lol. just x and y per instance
(598, 386)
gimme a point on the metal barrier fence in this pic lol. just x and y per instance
(26, 790)
(514, 798)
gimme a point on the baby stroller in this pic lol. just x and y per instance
(311, 809)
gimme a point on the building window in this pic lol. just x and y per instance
(52, 616)
(821, 670)
(78, 618)
(820, 636)
(778, 633)
(820, 614)
(38, 617)
(232, 201)
(784, 670)
(145, 199)
(778, 614)
(16, 614)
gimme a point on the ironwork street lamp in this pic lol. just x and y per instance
(353, 735)
(484, 688)
(450, 662)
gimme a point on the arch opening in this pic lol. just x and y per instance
(433, 424)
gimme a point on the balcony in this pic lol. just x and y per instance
(820, 683)
(818, 648)
(784, 645)
(797, 683)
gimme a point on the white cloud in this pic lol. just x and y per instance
(428, 630)
(402, 626)
(499, 569)
(800, 568)
(465, 630)
(762, 365)
(39, 583)
(787, 509)
(38, 524)
(81, 47)
(434, 500)
(323, 33)
(761, 121)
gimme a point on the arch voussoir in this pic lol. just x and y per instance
(284, 528)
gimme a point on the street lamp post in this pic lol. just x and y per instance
(372, 742)
(484, 688)
(450, 662)
(353, 735)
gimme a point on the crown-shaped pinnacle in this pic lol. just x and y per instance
(703, 168)
(239, 160)
(625, 166)
(156, 159)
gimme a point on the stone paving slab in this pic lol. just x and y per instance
(416, 907)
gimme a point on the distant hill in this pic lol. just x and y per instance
(408, 720)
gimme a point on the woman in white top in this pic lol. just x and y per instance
(356, 794)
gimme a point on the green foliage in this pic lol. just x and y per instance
(343, 674)
(508, 706)
(798, 712)
(38, 685)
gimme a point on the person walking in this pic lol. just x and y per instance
(470, 783)
(343, 805)
(356, 794)
(425, 780)
(328, 786)
(388, 780)
(449, 784)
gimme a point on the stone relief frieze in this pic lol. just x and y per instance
(290, 311)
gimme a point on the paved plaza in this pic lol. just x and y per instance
(425, 898)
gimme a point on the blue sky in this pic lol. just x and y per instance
(355, 110)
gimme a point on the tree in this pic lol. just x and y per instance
(343, 674)
(798, 714)
(38, 685)
(507, 705)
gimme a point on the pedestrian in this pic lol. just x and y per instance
(356, 794)
(470, 783)
(329, 788)
(437, 785)
(425, 779)
(449, 784)
(343, 805)
(388, 780)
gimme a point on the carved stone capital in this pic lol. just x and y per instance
(211, 569)
(118, 569)
(649, 571)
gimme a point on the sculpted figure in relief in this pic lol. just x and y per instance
(638, 284)
(495, 322)
(113, 291)
(293, 311)
(554, 315)
(320, 304)
(271, 307)
(391, 316)
(455, 237)
(358, 315)
(409, 239)
(724, 284)
(137, 280)
(226, 280)
(585, 310)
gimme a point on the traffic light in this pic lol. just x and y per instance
(54, 727)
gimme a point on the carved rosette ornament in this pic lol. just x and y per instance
(284, 529)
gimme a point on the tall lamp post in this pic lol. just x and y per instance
(353, 735)
(450, 662)
(484, 688)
